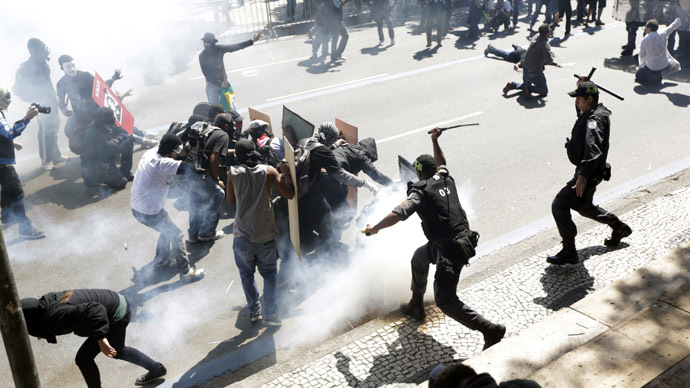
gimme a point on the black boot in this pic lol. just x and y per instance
(567, 255)
(415, 308)
(493, 334)
(621, 230)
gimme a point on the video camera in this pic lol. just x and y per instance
(42, 109)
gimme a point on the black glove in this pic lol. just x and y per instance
(116, 75)
(114, 142)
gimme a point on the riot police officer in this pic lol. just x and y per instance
(588, 148)
(451, 243)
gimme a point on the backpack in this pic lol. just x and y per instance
(302, 151)
(197, 136)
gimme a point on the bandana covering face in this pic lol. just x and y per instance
(5, 98)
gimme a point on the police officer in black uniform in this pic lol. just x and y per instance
(588, 148)
(451, 243)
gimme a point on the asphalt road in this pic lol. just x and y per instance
(508, 169)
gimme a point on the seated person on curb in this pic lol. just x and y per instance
(102, 316)
(654, 58)
(516, 56)
(207, 145)
(538, 55)
(103, 144)
(149, 192)
(255, 233)
(501, 10)
(461, 375)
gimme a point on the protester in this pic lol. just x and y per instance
(12, 195)
(451, 243)
(339, 35)
(100, 315)
(588, 148)
(254, 233)
(33, 85)
(500, 11)
(212, 66)
(565, 9)
(149, 191)
(381, 13)
(321, 32)
(538, 55)
(537, 10)
(516, 56)
(105, 143)
(654, 58)
(590, 12)
(435, 15)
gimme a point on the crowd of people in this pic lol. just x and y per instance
(217, 162)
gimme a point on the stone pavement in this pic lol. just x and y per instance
(401, 353)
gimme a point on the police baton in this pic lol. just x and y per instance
(589, 78)
(454, 126)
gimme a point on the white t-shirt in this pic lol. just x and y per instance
(506, 6)
(152, 182)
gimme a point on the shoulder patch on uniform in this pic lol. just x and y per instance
(591, 124)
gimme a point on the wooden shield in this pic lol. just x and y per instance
(293, 210)
(257, 115)
(351, 134)
(300, 127)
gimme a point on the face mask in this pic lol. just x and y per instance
(69, 68)
(5, 98)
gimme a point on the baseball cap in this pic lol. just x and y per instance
(425, 163)
(584, 89)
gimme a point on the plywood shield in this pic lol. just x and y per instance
(296, 126)
(257, 115)
(351, 134)
(293, 210)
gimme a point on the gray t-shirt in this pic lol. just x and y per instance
(254, 218)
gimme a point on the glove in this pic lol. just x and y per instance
(114, 142)
(117, 75)
(369, 186)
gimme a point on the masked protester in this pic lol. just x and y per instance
(12, 195)
(33, 85)
(104, 143)
(588, 148)
(101, 316)
(451, 243)
(255, 233)
(212, 66)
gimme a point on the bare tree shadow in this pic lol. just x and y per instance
(411, 352)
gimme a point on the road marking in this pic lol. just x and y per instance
(327, 87)
(428, 127)
(257, 66)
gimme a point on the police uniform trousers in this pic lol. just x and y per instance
(567, 199)
(445, 283)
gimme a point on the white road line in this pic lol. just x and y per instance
(327, 87)
(428, 127)
(257, 66)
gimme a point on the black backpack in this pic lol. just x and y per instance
(302, 151)
(197, 136)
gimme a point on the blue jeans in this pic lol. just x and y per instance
(249, 256)
(537, 10)
(646, 75)
(205, 198)
(212, 93)
(171, 239)
(321, 38)
(536, 83)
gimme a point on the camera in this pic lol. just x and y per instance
(41, 109)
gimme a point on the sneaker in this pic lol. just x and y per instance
(493, 335)
(507, 88)
(599, 23)
(428, 44)
(193, 275)
(626, 52)
(255, 317)
(212, 236)
(151, 375)
(414, 310)
(49, 166)
(31, 233)
(392, 42)
(622, 231)
(486, 50)
(381, 42)
(273, 320)
(149, 143)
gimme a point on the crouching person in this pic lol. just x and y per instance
(255, 233)
(149, 192)
(100, 315)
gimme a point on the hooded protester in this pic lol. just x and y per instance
(254, 243)
(12, 195)
(212, 66)
(101, 316)
(33, 85)
(451, 243)
(270, 148)
(588, 149)
(104, 143)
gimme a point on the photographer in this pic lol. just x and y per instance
(103, 143)
(12, 195)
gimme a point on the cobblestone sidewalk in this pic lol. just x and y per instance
(401, 353)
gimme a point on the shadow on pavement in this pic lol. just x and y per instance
(567, 284)
(426, 53)
(375, 50)
(678, 99)
(411, 347)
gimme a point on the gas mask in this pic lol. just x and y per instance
(5, 98)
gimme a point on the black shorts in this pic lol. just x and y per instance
(593, 3)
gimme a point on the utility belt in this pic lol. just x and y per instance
(461, 246)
